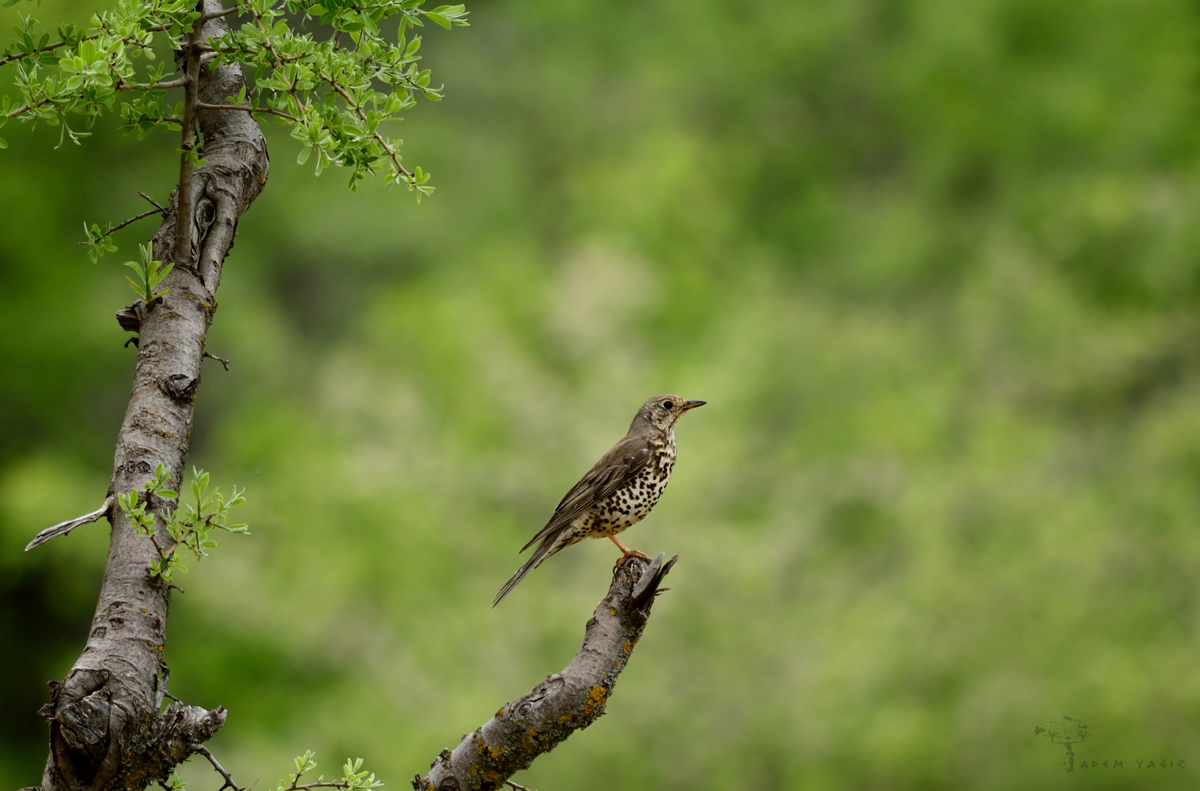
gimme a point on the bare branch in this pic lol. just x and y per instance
(178, 82)
(141, 216)
(212, 759)
(154, 203)
(563, 703)
(233, 9)
(248, 109)
(63, 528)
(132, 220)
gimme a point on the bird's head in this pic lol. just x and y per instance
(661, 412)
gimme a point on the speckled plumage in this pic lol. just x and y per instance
(618, 491)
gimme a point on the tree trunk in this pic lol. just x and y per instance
(106, 727)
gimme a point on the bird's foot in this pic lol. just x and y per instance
(627, 553)
(633, 553)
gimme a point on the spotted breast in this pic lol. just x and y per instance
(618, 491)
(630, 504)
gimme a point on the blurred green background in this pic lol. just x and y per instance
(935, 267)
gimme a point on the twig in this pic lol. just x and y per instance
(154, 203)
(168, 119)
(13, 113)
(62, 528)
(248, 109)
(387, 147)
(212, 759)
(178, 82)
(298, 786)
(218, 14)
(221, 360)
(132, 220)
(279, 59)
(517, 786)
(152, 29)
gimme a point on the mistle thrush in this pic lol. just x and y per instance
(618, 491)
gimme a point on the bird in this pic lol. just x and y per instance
(617, 492)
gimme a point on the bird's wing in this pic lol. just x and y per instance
(617, 467)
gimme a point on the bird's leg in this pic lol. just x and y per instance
(626, 551)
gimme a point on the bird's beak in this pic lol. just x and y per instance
(693, 404)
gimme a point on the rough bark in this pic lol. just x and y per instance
(565, 702)
(106, 727)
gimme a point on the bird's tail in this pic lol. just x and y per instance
(544, 550)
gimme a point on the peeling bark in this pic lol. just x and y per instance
(106, 729)
(565, 702)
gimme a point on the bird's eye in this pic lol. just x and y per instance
(667, 405)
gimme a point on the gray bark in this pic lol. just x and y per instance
(108, 730)
(106, 727)
(565, 702)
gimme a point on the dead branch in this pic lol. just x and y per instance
(62, 528)
(565, 702)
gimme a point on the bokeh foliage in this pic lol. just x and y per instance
(934, 266)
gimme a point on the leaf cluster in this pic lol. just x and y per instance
(354, 777)
(332, 71)
(83, 71)
(149, 273)
(188, 525)
(336, 91)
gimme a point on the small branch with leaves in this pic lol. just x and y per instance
(149, 274)
(99, 238)
(188, 526)
(354, 777)
(332, 95)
